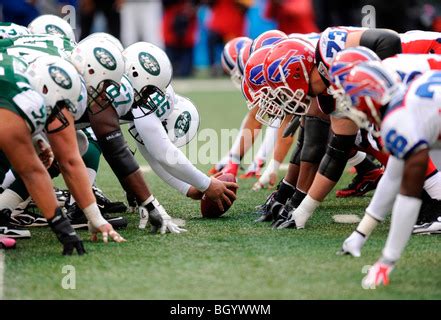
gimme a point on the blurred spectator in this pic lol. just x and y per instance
(141, 21)
(21, 12)
(110, 10)
(227, 21)
(292, 15)
(179, 31)
(337, 13)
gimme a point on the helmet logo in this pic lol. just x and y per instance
(149, 63)
(60, 77)
(105, 58)
(283, 64)
(256, 75)
(182, 124)
(53, 29)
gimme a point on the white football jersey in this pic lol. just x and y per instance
(415, 122)
(409, 66)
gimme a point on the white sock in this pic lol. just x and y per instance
(267, 145)
(433, 186)
(305, 210)
(404, 216)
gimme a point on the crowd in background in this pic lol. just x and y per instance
(193, 32)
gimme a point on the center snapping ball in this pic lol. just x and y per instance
(209, 209)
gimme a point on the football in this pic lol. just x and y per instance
(209, 209)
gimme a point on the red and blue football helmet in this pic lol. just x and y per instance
(267, 38)
(369, 87)
(341, 65)
(286, 70)
(259, 91)
(229, 58)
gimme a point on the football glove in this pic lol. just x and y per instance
(62, 228)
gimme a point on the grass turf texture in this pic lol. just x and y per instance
(228, 258)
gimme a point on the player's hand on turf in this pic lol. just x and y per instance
(106, 230)
(266, 181)
(62, 228)
(377, 275)
(219, 191)
(159, 219)
(194, 193)
(45, 153)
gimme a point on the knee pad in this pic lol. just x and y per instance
(336, 157)
(316, 139)
(117, 154)
(295, 157)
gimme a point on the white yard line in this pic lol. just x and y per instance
(2, 272)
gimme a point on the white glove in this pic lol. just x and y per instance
(159, 219)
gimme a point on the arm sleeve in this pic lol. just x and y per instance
(177, 184)
(172, 159)
(387, 189)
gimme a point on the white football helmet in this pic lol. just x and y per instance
(59, 83)
(10, 30)
(51, 24)
(107, 36)
(183, 123)
(101, 64)
(148, 69)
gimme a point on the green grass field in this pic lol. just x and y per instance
(228, 258)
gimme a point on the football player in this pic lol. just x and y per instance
(408, 67)
(409, 131)
(340, 148)
(23, 112)
(168, 161)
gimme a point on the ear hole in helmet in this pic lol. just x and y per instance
(135, 74)
(45, 90)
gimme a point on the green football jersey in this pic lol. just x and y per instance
(30, 47)
(9, 30)
(17, 95)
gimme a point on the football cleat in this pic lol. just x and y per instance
(377, 275)
(283, 216)
(8, 230)
(7, 243)
(353, 245)
(290, 223)
(268, 209)
(105, 204)
(79, 221)
(254, 170)
(27, 218)
(361, 184)
(433, 227)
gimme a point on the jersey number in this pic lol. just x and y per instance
(395, 143)
(424, 91)
(336, 42)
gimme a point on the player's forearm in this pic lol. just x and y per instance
(77, 180)
(175, 183)
(387, 189)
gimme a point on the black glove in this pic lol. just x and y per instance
(62, 228)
